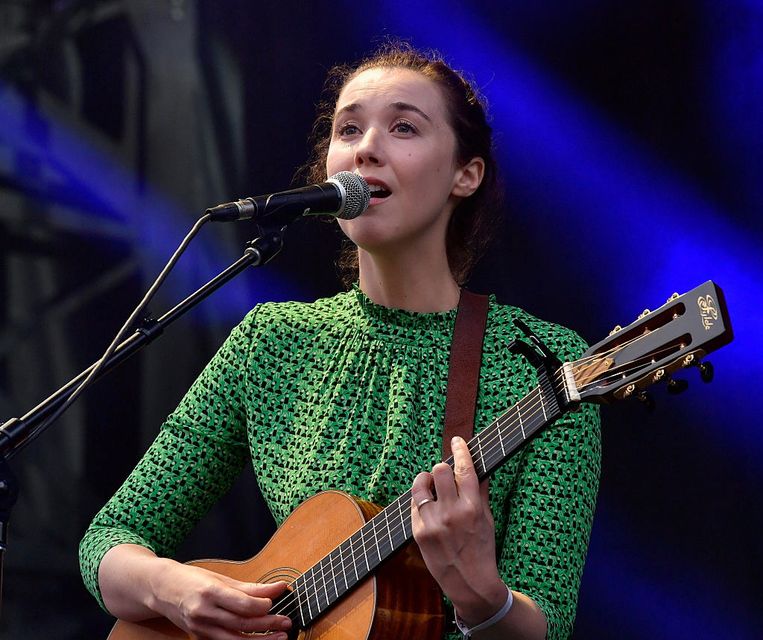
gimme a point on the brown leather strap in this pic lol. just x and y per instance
(464, 368)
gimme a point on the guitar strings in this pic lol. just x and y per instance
(614, 376)
(402, 504)
(493, 432)
(580, 363)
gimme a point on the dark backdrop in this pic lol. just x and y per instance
(631, 140)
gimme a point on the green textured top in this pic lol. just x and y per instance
(346, 394)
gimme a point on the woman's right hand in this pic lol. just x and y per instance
(137, 585)
(211, 606)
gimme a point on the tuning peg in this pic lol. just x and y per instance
(706, 371)
(673, 297)
(615, 330)
(677, 386)
(644, 398)
(643, 314)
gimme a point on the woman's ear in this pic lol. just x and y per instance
(468, 178)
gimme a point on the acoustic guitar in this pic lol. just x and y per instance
(350, 571)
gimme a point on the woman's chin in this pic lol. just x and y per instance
(370, 229)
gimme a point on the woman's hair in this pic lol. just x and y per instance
(474, 219)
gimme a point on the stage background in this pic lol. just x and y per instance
(631, 139)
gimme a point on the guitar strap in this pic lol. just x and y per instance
(464, 368)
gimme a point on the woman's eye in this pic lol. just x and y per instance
(347, 130)
(404, 127)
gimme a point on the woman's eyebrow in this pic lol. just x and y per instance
(404, 106)
(353, 107)
(348, 108)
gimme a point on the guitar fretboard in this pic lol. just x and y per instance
(354, 559)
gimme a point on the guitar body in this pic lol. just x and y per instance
(401, 599)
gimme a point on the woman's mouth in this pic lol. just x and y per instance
(378, 193)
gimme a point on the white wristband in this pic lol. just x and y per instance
(489, 622)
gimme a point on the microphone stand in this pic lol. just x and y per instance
(16, 433)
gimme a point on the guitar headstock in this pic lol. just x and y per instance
(675, 336)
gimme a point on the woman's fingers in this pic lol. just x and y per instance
(450, 485)
(247, 606)
(214, 606)
(258, 624)
(464, 471)
(421, 490)
(258, 596)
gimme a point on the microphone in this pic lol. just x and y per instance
(344, 195)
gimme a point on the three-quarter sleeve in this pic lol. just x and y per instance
(549, 517)
(549, 508)
(199, 452)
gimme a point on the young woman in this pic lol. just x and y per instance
(348, 393)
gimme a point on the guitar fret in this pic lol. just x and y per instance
(490, 435)
(402, 519)
(376, 538)
(542, 404)
(480, 454)
(500, 438)
(521, 424)
(309, 608)
(363, 547)
(323, 579)
(389, 534)
(333, 575)
(344, 572)
(299, 603)
(354, 558)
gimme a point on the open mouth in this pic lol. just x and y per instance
(377, 191)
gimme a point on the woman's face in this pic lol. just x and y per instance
(391, 127)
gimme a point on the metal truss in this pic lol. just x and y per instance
(46, 206)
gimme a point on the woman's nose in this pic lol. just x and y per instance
(369, 149)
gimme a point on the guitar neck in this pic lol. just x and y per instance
(355, 558)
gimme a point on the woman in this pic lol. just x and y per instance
(346, 393)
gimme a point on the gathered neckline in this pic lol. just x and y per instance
(378, 314)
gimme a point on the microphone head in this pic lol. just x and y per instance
(357, 195)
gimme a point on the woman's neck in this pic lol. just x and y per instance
(420, 283)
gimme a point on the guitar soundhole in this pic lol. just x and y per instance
(288, 575)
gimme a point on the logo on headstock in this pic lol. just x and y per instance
(707, 311)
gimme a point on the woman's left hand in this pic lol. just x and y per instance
(456, 535)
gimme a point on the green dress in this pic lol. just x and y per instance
(346, 394)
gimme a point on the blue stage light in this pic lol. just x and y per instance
(109, 193)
